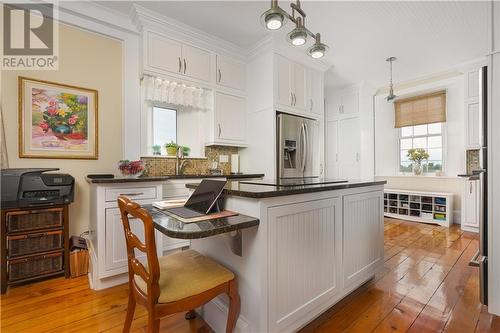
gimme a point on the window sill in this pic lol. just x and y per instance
(173, 157)
(434, 177)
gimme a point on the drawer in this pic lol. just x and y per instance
(30, 220)
(35, 266)
(34, 243)
(134, 193)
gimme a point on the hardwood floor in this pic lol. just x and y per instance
(426, 286)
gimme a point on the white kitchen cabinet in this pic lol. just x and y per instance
(315, 92)
(230, 73)
(363, 230)
(291, 84)
(106, 242)
(304, 258)
(343, 148)
(165, 54)
(471, 205)
(472, 84)
(344, 103)
(473, 118)
(229, 119)
(196, 63)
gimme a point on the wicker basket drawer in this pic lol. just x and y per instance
(34, 243)
(34, 220)
(21, 269)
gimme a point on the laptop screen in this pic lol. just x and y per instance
(205, 195)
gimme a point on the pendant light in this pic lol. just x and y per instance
(275, 17)
(390, 98)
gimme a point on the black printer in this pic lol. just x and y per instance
(29, 187)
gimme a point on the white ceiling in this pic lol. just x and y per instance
(426, 37)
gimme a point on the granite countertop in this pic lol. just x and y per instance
(169, 177)
(255, 190)
(172, 227)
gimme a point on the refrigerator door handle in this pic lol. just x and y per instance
(306, 152)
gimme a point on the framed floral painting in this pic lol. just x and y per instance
(57, 120)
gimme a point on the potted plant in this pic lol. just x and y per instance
(156, 150)
(186, 150)
(417, 155)
(171, 148)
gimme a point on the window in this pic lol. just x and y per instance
(164, 125)
(428, 137)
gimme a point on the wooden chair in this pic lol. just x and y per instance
(175, 283)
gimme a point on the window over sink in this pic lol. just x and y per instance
(164, 122)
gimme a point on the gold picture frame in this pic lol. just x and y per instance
(57, 121)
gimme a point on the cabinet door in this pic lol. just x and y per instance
(230, 115)
(471, 203)
(473, 122)
(116, 247)
(349, 145)
(299, 87)
(230, 73)
(304, 265)
(163, 53)
(315, 89)
(472, 90)
(350, 102)
(363, 227)
(283, 73)
(332, 153)
(196, 63)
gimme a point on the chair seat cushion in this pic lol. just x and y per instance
(186, 273)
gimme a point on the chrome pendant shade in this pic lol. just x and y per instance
(275, 17)
(391, 97)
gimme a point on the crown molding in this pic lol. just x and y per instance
(144, 18)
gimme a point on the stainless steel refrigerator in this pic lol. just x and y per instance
(297, 140)
(480, 259)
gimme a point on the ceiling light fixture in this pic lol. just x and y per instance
(275, 17)
(391, 96)
(318, 49)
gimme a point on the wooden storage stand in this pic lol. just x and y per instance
(34, 244)
(426, 207)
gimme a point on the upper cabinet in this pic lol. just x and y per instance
(290, 84)
(315, 92)
(472, 111)
(344, 103)
(230, 73)
(229, 121)
(172, 56)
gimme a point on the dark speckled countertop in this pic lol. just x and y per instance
(256, 190)
(172, 227)
(169, 177)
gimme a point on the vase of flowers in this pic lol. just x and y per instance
(417, 155)
(65, 116)
(171, 148)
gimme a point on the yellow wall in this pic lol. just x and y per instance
(86, 60)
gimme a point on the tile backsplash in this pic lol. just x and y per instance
(472, 160)
(161, 165)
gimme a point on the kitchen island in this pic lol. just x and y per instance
(314, 245)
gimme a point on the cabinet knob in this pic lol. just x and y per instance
(220, 76)
(220, 130)
(180, 65)
(185, 65)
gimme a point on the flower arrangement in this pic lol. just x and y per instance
(417, 155)
(131, 169)
(66, 116)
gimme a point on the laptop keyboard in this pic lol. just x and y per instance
(185, 212)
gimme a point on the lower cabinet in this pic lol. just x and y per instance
(363, 228)
(470, 205)
(305, 258)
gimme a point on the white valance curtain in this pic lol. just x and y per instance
(171, 92)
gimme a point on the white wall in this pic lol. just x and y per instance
(386, 136)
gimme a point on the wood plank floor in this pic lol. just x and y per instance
(425, 286)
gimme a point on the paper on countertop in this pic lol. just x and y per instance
(165, 204)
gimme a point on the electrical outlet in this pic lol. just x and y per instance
(223, 158)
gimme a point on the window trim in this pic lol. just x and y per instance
(443, 147)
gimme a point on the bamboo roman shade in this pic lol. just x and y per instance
(419, 110)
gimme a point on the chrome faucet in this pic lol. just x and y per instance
(179, 161)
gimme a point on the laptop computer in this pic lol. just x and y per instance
(201, 201)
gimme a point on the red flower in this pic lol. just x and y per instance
(73, 119)
(44, 125)
(52, 110)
